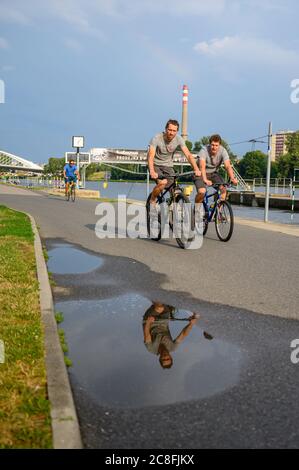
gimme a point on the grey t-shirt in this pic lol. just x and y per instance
(159, 330)
(213, 162)
(165, 150)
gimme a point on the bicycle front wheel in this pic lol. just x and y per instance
(153, 219)
(224, 221)
(183, 221)
(73, 193)
(67, 195)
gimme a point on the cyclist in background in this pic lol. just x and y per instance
(160, 157)
(70, 173)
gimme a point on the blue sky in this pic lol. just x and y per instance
(113, 71)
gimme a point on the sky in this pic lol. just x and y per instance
(113, 71)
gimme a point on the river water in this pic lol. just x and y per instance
(139, 191)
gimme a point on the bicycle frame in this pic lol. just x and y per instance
(208, 210)
(172, 187)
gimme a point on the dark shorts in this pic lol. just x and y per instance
(68, 179)
(165, 172)
(214, 177)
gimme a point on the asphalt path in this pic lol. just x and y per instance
(246, 291)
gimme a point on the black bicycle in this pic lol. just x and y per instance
(220, 212)
(176, 209)
(71, 192)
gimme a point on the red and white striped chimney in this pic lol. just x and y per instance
(185, 113)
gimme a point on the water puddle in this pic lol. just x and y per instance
(113, 345)
(66, 259)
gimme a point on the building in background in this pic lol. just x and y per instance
(278, 144)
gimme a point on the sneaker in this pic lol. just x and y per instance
(199, 214)
(154, 221)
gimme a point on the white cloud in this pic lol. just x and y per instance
(73, 44)
(268, 5)
(77, 13)
(247, 50)
(3, 43)
(13, 14)
(81, 12)
(179, 7)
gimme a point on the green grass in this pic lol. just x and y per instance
(59, 319)
(24, 407)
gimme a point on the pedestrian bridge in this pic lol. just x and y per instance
(8, 161)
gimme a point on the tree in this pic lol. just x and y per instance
(286, 165)
(253, 165)
(189, 145)
(54, 166)
(274, 170)
(292, 143)
(204, 141)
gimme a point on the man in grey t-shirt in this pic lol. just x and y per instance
(156, 333)
(210, 159)
(160, 157)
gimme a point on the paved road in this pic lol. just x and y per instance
(247, 293)
(256, 270)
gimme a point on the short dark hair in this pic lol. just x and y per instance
(215, 138)
(72, 160)
(174, 122)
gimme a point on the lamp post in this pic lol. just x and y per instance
(267, 195)
(78, 143)
(293, 192)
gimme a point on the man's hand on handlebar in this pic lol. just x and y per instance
(154, 175)
(208, 182)
(234, 181)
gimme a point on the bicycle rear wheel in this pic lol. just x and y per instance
(183, 221)
(205, 223)
(224, 221)
(67, 194)
(153, 219)
(73, 193)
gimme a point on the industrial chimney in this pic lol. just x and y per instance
(185, 113)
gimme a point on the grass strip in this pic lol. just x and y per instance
(24, 406)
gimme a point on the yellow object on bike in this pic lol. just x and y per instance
(188, 190)
(105, 184)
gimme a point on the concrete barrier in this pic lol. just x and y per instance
(278, 203)
(258, 200)
(79, 193)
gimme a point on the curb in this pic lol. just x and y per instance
(270, 226)
(65, 425)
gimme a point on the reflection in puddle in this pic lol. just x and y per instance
(116, 344)
(65, 259)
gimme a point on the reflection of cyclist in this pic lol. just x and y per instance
(156, 333)
(70, 173)
(160, 157)
(210, 159)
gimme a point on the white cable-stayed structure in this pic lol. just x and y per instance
(14, 162)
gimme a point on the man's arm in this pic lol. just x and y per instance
(185, 331)
(204, 173)
(150, 158)
(147, 330)
(191, 160)
(230, 172)
(64, 173)
(78, 174)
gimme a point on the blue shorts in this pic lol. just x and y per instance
(69, 179)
